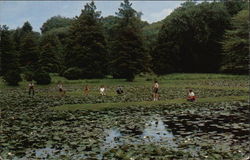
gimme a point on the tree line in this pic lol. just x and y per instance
(195, 37)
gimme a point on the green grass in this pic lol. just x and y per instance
(78, 93)
(170, 80)
(102, 106)
(193, 76)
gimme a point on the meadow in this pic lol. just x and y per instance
(129, 126)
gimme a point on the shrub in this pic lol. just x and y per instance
(42, 77)
(73, 73)
(12, 77)
(28, 76)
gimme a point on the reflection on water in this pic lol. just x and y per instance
(156, 131)
(45, 152)
(42, 153)
(51, 153)
(112, 138)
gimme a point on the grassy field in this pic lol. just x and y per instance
(103, 106)
(78, 126)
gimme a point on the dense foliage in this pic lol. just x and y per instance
(12, 77)
(195, 37)
(128, 54)
(9, 64)
(51, 56)
(87, 45)
(73, 73)
(236, 45)
(42, 77)
(194, 45)
(55, 23)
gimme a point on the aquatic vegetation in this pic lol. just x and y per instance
(212, 130)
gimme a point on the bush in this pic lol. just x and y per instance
(42, 77)
(73, 73)
(12, 77)
(28, 76)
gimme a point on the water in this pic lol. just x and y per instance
(163, 132)
(112, 138)
(156, 131)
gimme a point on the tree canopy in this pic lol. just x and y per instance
(87, 45)
(127, 49)
(195, 37)
(189, 39)
(55, 23)
(236, 45)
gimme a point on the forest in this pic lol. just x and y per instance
(207, 37)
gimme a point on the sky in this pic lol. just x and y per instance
(15, 13)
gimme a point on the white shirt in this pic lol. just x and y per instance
(191, 94)
(156, 85)
(102, 89)
(31, 85)
(60, 86)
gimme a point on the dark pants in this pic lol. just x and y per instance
(31, 91)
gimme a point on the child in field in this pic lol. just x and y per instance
(61, 90)
(31, 88)
(119, 90)
(86, 90)
(191, 96)
(155, 91)
(102, 90)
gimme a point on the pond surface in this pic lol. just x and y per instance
(192, 130)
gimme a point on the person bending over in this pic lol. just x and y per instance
(102, 90)
(191, 96)
(119, 90)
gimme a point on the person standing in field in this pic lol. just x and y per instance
(155, 91)
(61, 90)
(31, 88)
(191, 96)
(102, 90)
(86, 90)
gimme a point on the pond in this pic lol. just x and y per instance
(186, 131)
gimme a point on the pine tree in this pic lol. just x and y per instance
(51, 58)
(29, 52)
(87, 45)
(127, 50)
(26, 44)
(236, 45)
(27, 28)
(8, 57)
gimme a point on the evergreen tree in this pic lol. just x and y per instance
(27, 28)
(51, 58)
(127, 49)
(236, 45)
(29, 52)
(233, 7)
(26, 45)
(17, 35)
(9, 60)
(87, 45)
